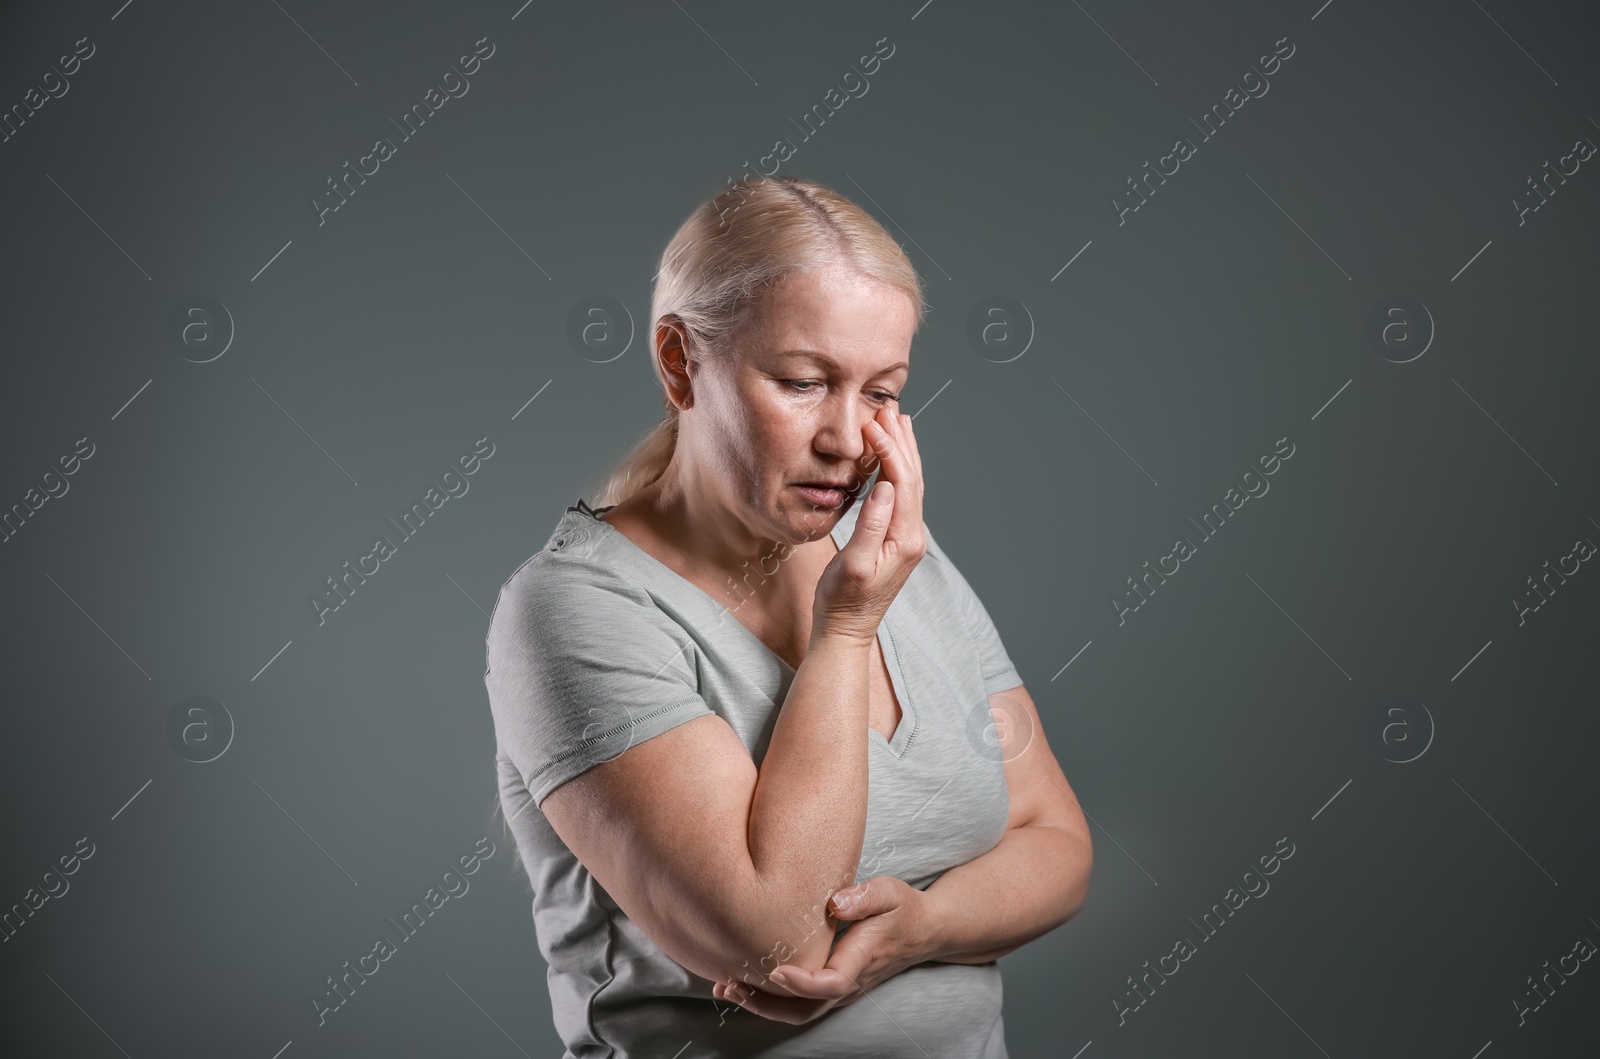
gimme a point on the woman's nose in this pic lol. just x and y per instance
(839, 428)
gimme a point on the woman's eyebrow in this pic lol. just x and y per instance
(830, 362)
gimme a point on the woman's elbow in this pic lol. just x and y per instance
(776, 929)
(1062, 879)
(1079, 864)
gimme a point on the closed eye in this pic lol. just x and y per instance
(882, 397)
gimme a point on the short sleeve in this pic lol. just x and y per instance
(998, 672)
(582, 665)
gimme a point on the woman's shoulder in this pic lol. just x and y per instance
(576, 571)
(937, 581)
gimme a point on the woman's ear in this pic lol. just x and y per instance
(673, 361)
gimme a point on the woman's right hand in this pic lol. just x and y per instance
(857, 586)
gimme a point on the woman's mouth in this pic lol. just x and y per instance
(823, 496)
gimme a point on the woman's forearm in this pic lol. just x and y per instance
(808, 813)
(1032, 881)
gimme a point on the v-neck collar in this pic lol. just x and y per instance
(841, 533)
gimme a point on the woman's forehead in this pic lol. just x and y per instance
(873, 360)
(838, 324)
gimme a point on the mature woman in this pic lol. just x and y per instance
(746, 709)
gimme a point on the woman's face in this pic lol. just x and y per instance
(826, 351)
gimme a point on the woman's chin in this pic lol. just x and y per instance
(812, 522)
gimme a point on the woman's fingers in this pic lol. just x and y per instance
(911, 443)
(883, 443)
(830, 983)
(778, 1009)
(891, 453)
(906, 473)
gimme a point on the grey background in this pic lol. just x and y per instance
(370, 351)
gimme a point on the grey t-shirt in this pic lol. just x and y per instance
(595, 645)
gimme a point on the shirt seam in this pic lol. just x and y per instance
(905, 683)
(593, 741)
(611, 974)
(966, 619)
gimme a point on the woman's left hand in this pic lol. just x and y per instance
(890, 934)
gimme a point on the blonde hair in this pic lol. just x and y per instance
(731, 249)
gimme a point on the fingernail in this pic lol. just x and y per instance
(779, 977)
